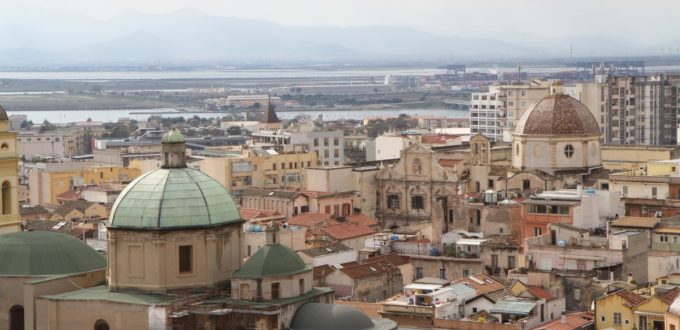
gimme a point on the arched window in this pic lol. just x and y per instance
(4, 146)
(245, 291)
(568, 150)
(101, 325)
(6, 199)
(16, 317)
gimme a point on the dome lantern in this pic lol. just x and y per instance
(173, 149)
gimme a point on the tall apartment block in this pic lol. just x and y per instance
(496, 112)
(634, 109)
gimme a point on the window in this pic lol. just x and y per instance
(569, 150)
(537, 231)
(494, 260)
(393, 201)
(642, 324)
(245, 291)
(316, 142)
(276, 290)
(326, 154)
(16, 317)
(625, 190)
(283, 166)
(577, 294)
(467, 272)
(417, 202)
(336, 141)
(309, 163)
(240, 167)
(654, 192)
(6, 198)
(511, 262)
(336, 153)
(325, 142)
(327, 209)
(274, 166)
(185, 254)
(250, 250)
(301, 285)
(617, 318)
(101, 325)
(419, 272)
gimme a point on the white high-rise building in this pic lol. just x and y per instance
(496, 112)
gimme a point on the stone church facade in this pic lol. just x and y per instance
(415, 188)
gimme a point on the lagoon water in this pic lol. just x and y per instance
(68, 116)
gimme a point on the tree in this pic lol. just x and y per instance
(26, 124)
(47, 126)
(234, 130)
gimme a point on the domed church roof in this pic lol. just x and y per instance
(312, 316)
(272, 260)
(173, 198)
(39, 253)
(558, 114)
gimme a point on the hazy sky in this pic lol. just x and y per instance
(643, 21)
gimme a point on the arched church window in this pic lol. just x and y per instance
(393, 201)
(101, 325)
(6, 199)
(16, 317)
(569, 150)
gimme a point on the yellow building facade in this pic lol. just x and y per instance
(630, 310)
(44, 187)
(260, 170)
(9, 177)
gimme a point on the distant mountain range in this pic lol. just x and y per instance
(192, 37)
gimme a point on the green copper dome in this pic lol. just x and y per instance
(272, 260)
(312, 316)
(173, 136)
(40, 253)
(173, 198)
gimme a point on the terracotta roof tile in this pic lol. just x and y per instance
(361, 219)
(347, 230)
(309, 219)
(636, 222)
(392, 258)
(482, 283)
(369, 269)
(631, 298)
(575, 321)
(558, 114)
(669, 296)
(322, 271)
(540, 293)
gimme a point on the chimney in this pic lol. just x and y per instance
(564, 317)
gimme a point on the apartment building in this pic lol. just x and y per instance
(260, 169)
(496, 112)
(55, 144)
(327, 145)
(634, 109)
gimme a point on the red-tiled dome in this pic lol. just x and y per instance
(558, 114)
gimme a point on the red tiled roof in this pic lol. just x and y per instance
(361, 219)
(574, 321)
(369, 269)
(669, 296)
(347, 230)
(70, 195)
(488, 283)
(392, 258)
(437, 139)
(540, 293)
(631, 298)
(321, 271)
(309, 219)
